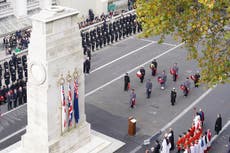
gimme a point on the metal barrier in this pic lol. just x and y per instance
(107, 20)
(8, 57)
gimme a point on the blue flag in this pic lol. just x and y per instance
(75, 102)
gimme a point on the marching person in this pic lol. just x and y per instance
(196, 79)
(187, 87)
(126, 82)
(173, 96)
(162, 80)
(174, 71)
(153, 67)
(149, 86)
(218, 124)
(142, 70)
(132, 99)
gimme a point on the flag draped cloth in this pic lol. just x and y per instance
(63, 102)
(75, 102)
(70, 106)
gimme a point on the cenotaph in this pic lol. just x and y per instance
(55, 61)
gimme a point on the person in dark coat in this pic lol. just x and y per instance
(7, 77)
(14, 97)
(218, 124)
(9, 100)
(171, 138)
(156, 148)
(142, 70)
(173, 96)
(153, 67)
(24, 93)
(86, 66)
(196, 79)
(149, 86)
(126, 82)
(20, 95)
(132, 99)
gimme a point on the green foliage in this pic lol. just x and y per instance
(192, 22)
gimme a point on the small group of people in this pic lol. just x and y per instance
(17, 41)
(162, 79)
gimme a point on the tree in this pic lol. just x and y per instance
(197, 23)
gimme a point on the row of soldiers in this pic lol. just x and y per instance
(13, 70)
(14, 95)
(109, 32)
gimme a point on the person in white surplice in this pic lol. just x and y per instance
(165, 145)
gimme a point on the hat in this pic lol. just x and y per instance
(174, 88)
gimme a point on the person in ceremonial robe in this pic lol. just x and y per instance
(165, 145)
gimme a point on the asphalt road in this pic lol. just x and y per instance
(107, 105)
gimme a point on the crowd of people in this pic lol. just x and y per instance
(13, 78)
(195, 140)
(17, 41)
(92, 19)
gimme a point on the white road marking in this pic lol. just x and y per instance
(216, 136)
(108, 83)
(95, 90)
(148, 40)
(12, 135)
(3, 114)
(179, 116)
(132, 52)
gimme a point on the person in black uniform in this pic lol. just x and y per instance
(24, 93)
(142, 70)
(7, 77)
(126, 82)
(13, 74)
(14, 97)
(20, 73)
(86, 66)
(20, 95)
(173, 96)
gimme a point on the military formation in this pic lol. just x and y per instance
(13, 77)
(109, 32)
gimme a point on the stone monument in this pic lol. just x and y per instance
(55, 58)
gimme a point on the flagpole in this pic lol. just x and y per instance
(68, 78)
(61, 82)
(75, 76)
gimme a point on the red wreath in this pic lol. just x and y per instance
(172, 71)
(139, 75)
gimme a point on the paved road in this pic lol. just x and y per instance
(107, 106)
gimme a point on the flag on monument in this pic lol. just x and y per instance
(63, 102)
(75, 102)
(70, 106)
